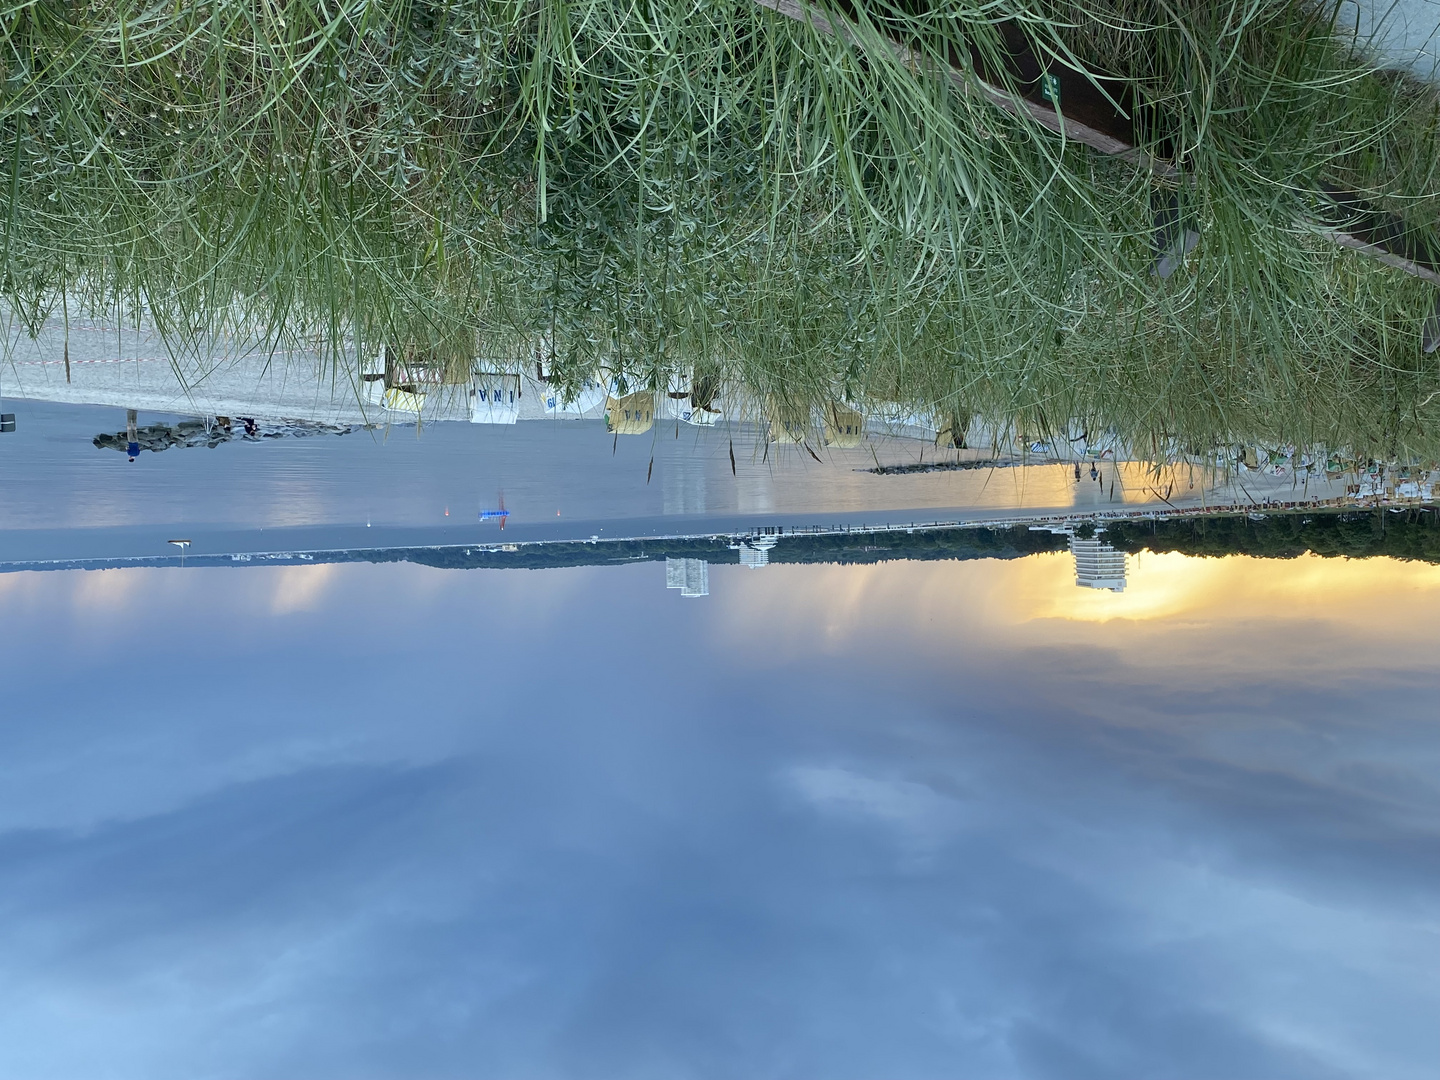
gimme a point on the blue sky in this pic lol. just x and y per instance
(916, 820)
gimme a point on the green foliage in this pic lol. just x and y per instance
(663, 186)
(1411, 535)
(922, 545)
(856, 547)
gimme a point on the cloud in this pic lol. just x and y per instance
(915, 810)
(609, 835)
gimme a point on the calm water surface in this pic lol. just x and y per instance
(60, 497)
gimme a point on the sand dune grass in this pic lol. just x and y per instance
(662, 185)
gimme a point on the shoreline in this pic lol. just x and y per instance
(528, 553)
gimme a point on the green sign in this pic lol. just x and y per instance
(1050, 89)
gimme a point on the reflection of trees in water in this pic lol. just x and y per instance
(211, 433)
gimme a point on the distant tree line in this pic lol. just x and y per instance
(1004, 543)
(853, 547)
(1414, 534)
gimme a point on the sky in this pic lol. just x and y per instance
(912, 820)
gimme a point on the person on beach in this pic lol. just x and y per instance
(132, 440)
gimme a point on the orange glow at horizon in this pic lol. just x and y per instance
(1242, 612)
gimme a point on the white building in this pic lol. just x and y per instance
(755, 551)
(1098, 565)
(690, 576)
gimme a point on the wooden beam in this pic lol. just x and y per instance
(1111, 135)
(1352, 222)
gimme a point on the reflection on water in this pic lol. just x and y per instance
(912, 819)
(552, 474)
(683, 481)
(190, 434)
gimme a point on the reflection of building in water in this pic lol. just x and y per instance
(754, 490)
(788, 422)
(690, 576)
(1097, 564)
(633, 414)
(755, 551)
(683, 485)
(210, 432)
(844, 426)
(494, 398)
